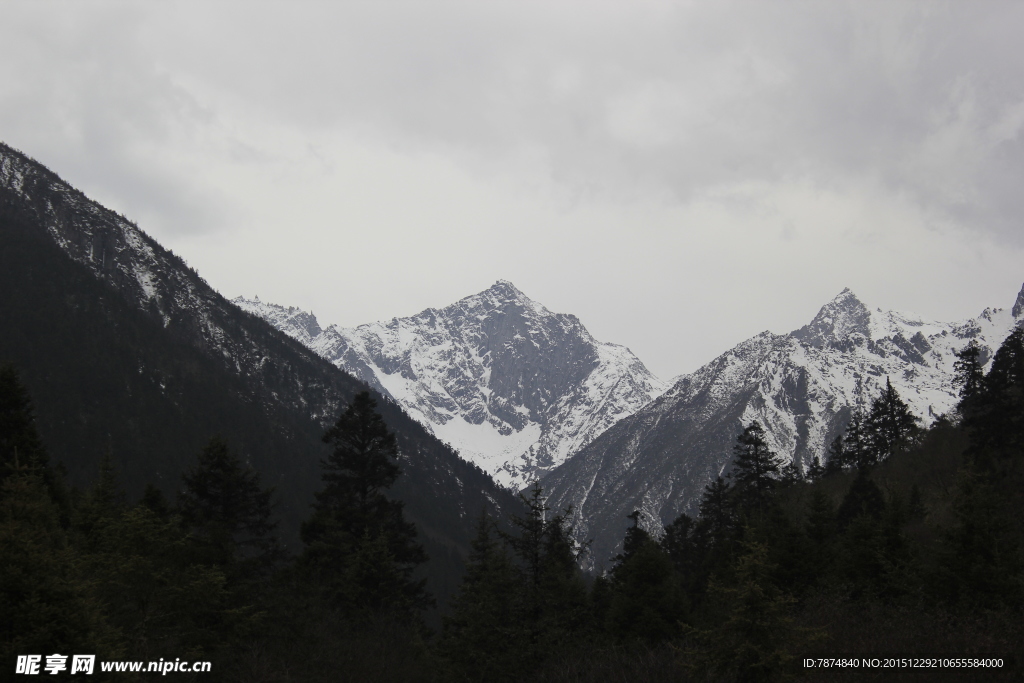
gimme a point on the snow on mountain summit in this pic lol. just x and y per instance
(511, 385)
(802, 387)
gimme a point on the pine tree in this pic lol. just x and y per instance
(755, 469)
(554, 596)
(754, 640)
(718, 512)
(481, 639)
(890, 426)
(836, 460)
(20, 445)
(104, 503)
(224, 505)
(48, 604)
(968, 373)
(863, 498)
(19, 440)
(996, 422)
(857, 453)
(815, 471)
(353, 518)
(980, 562)
(636, 537)
(647, 602)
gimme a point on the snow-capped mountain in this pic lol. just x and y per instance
(512, 386)
(802, 387)
(258, 381)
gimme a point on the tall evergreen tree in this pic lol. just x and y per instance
(756, 469)
(554, 597)
(224, 505)
(636, 537)
(354, 520)
(647, 602)
(891, 426)
(48, 604)
(856, 452)
(482, 639)
(20, 445)
(753, 641)
(836, 460)
(968, 373)
(863, 498)
(996, 422)
(718, 512)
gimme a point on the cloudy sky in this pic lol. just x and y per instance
(680, 175)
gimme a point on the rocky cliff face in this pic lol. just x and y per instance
(512, 386)
(802, 387)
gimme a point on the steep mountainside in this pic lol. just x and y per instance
(128, 351)
(513, 387)
(802, 387)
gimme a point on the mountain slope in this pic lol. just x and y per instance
(802, 387)
(514, 387)
(128, 351)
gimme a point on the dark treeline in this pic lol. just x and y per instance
(898, 541)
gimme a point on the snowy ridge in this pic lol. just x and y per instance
(802, 387)
(512, 386)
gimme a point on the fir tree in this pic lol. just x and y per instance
(890, 425)
(863, 498)
(996, 422)
(354, 520)
(754, 640)
(968, 374)
(717, 512)
(20, 445)
(755, 469)
(554, 597)
(48, 604)
(815, 471)
(104, 503)
(224, 505)
(481, 639)
(636, 537)
(646, 601)
(857, 453)
(836, 460)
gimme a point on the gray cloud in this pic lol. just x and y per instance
(644, 143)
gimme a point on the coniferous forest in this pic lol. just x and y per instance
(901, 541)
(157, 502)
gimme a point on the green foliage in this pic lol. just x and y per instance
(482, 638)
(46, 600)
(863, 499)
(756, 469)
(153, 589)
(647, 602)
(226, 509)
(890, 426)
(981, 561)
(968, 371)
(754, 641)
(359, 548)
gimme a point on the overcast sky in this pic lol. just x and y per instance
(681, 176)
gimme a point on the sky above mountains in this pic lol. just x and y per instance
(681, 176)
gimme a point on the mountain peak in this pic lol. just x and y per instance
(1018, 306)
(843, 316)
(504, 289)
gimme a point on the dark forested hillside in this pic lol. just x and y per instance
(129, 353)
